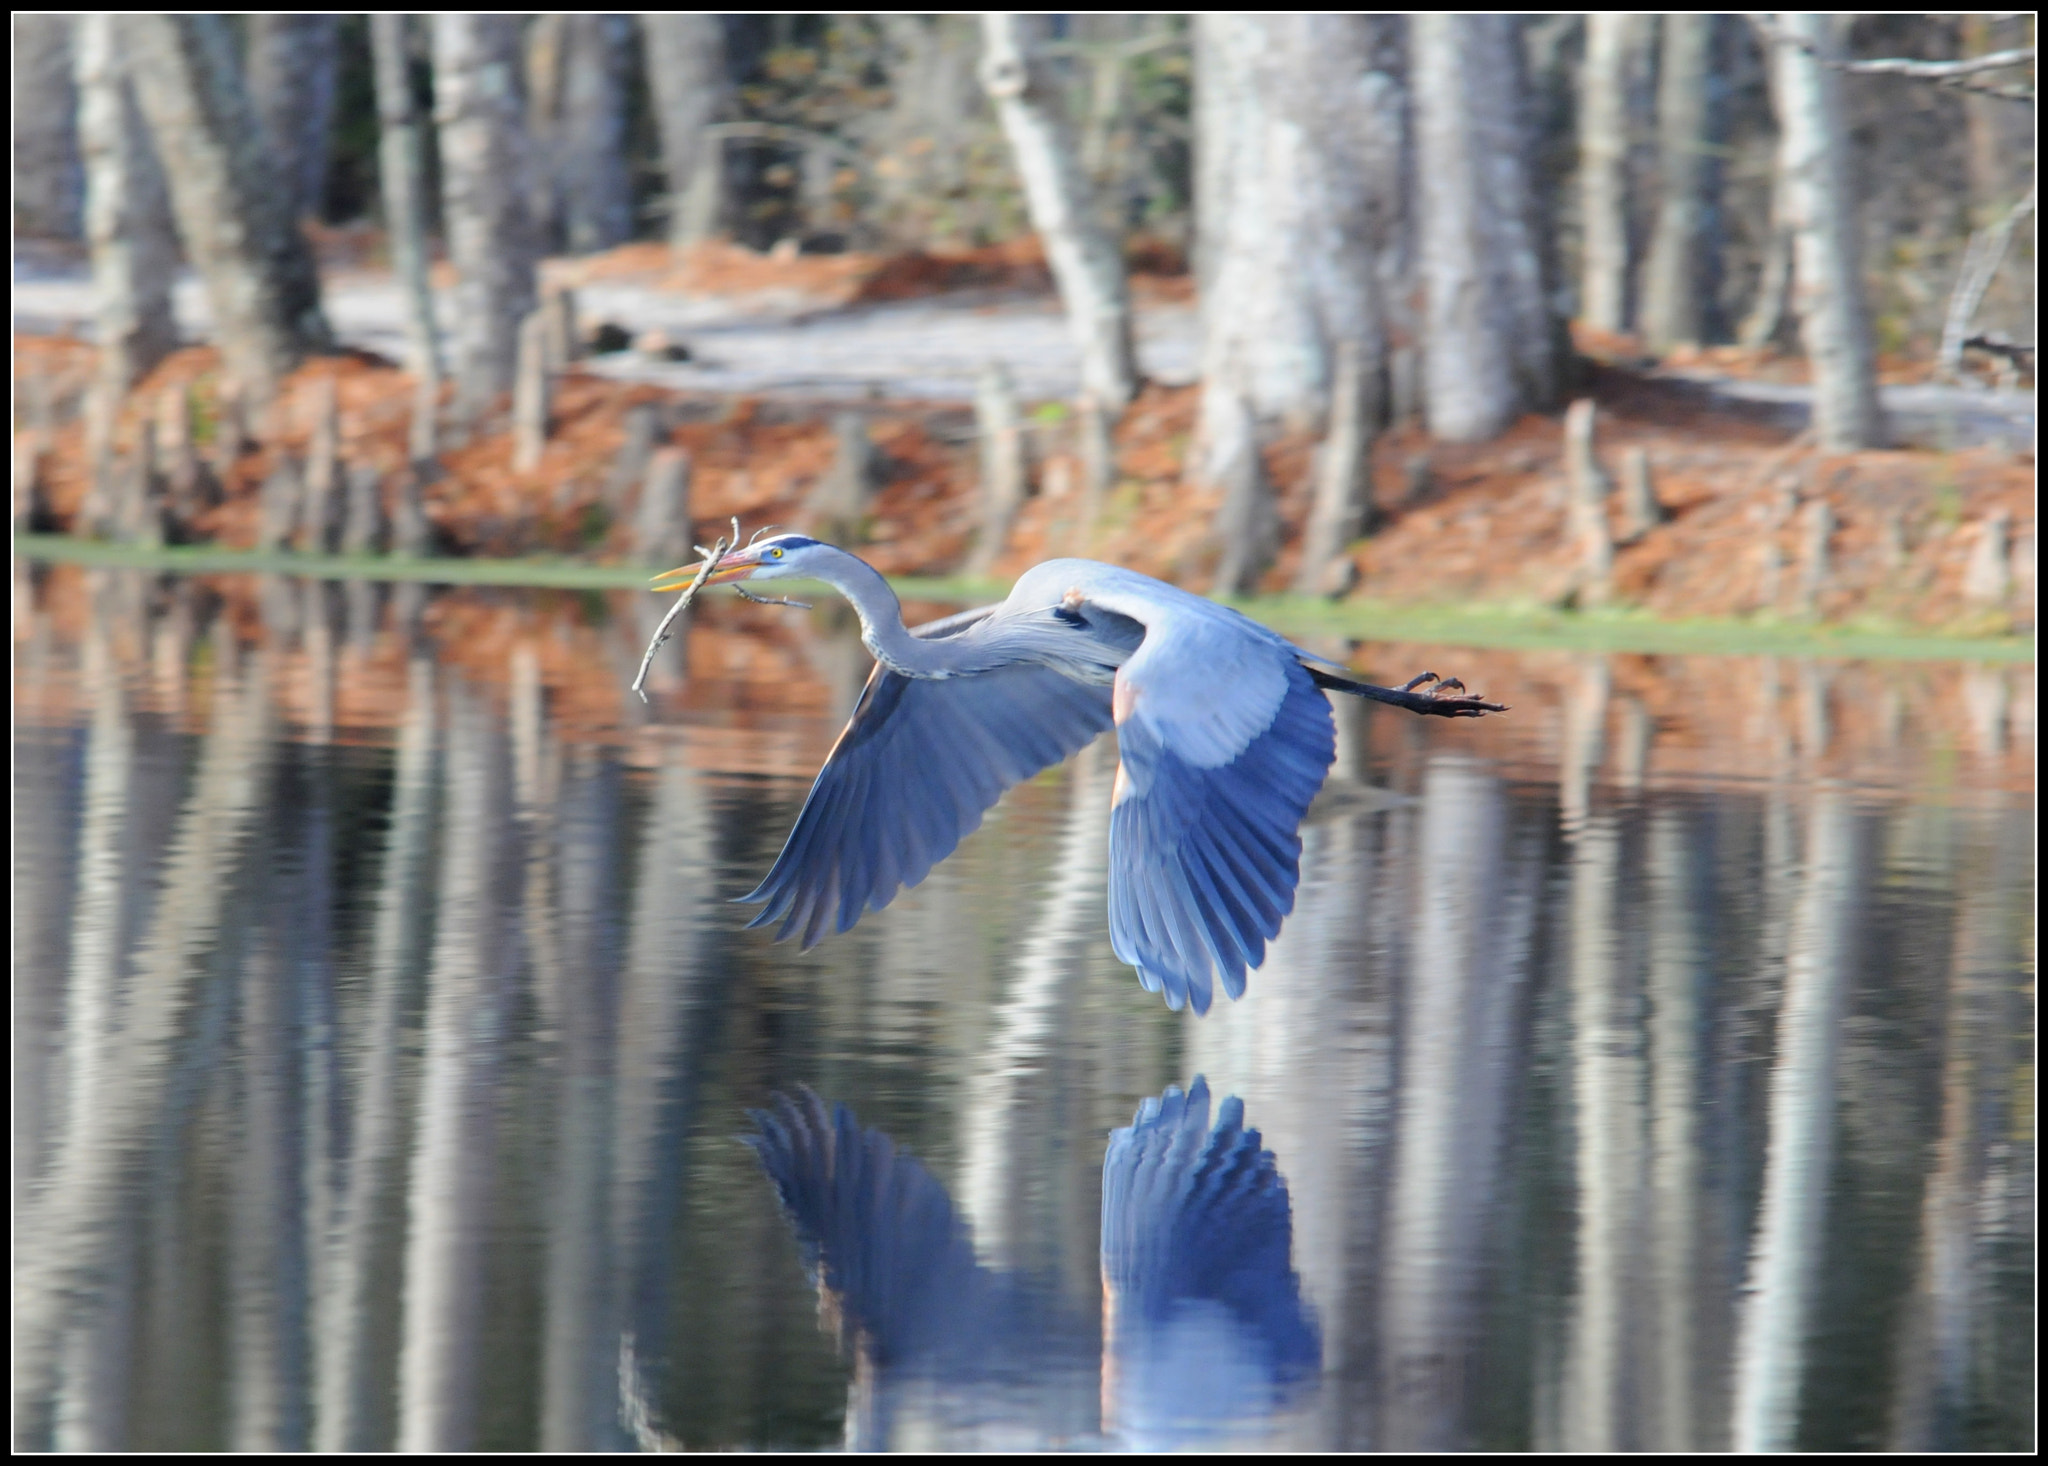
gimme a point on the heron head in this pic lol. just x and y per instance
(777, 557)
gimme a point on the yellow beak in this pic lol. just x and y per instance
(737, 566)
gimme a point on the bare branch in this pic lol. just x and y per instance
(1946, 73)
(1938, 70)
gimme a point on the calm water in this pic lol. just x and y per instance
(1649, 1069)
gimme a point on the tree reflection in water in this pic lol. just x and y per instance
(1651, 1075)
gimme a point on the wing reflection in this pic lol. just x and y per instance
(1207, 1333)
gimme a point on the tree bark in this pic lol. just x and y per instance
(233, 213)
(1002, 465)
(1603, 171)
(1827, 282)
(1678, 278)
(685, 56)
(576, 112)
(1343, 491)
(291, 81)
(1297, 190)
(1086, 262)
(532, 390)
(128, 226)
(1587, 520)
(1490, 343)
(49, 183)
(401, 159)
(661, 528)
(484, 175)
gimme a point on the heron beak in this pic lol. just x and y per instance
(737, 565)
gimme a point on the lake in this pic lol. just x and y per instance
(1649, 1068)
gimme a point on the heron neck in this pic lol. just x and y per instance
(881, 621)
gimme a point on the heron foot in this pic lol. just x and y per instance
(1446, 697)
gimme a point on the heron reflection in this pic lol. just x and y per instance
(1204, 1336)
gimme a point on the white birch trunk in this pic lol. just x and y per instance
(49, 183)
(1827, 281)
(1603, 171)
(1490, 348)
(1676, 278)
(1295, 159)
(685, 58)
(128, 226)
(291, 80)
(576, 115)
(233, 210)
(401, 160)
(1086, 263)
(484, 187)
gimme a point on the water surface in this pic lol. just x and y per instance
(1648, 1069)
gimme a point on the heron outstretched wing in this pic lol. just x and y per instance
(915, 769)
(1224, 740)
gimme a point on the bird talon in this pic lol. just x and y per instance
(1445, 686)
(1418, 680)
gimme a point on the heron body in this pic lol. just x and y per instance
(1223, 734)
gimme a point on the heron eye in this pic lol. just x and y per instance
(776, 553)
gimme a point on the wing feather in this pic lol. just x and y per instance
(1204, 849)
(916, 768)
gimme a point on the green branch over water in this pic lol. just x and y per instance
(1302, 616)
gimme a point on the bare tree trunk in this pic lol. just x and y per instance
(1590, 488)
(1296, 168)
(291, 80)
(401, 159)
(1603, 171)
(233, 213)
(128, 224)
(1677, 278)
(49, 183)
(1086, 262)
(1490, 346)
(1834, 322)
(576, 77)
(839, 506)
(1343, 488)
(1002, 466)
(532, 387)
(685, 56)
(661, 527)
(484, 175)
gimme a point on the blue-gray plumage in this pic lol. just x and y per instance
(1223, 732)
(1206, 1325)
(1204, 1329)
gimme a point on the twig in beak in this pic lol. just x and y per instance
(712, 557)
(747, 595)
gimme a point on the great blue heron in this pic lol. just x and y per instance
(1223, 733)
(1204, 1334)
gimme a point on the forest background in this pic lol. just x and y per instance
(1692, 314)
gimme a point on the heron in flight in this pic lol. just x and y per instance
(1223, 736)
